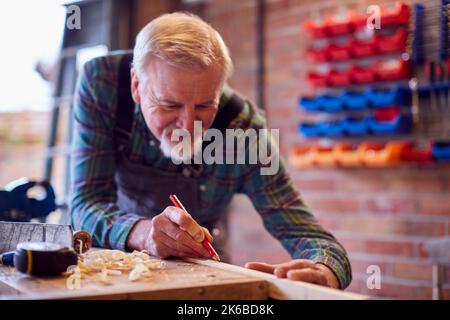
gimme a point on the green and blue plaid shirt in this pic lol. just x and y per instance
(93, 203)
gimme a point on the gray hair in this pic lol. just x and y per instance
(182, 40)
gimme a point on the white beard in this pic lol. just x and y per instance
(167, 147)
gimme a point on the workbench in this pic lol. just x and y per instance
(188, 279)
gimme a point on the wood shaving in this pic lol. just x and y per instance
(73, 282)
(99, 265)
(140, 270)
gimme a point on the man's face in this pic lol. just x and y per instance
(173, 98)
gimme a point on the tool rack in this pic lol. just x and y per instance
(382, 96)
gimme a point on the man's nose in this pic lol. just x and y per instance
(186, 119)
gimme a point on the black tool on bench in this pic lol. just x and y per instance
(46, 259)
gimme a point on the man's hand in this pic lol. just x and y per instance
(299, 269)
(173, 233)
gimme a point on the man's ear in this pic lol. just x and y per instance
(135, 86)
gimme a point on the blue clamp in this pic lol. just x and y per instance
(17, 205)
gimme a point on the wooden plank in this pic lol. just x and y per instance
(6, 292)
(176, 280)
(284, 289)
(188, 279)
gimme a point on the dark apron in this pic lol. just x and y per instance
(145, 190)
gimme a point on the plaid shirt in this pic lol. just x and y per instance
(93, 199)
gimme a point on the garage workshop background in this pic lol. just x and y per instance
(383, 214)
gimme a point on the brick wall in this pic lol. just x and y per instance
(23, 137)
(381, 216)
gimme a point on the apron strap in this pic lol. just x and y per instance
(228, 112)
(125, 104)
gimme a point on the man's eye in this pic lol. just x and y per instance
(171, 107)
(203, 107)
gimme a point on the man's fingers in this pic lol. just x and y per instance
(160, 249)
(179, 250)
(297, 264)
(298, 270)
(164, 246)
(282, 269)
(185, 221)
(207, 234)
(260, 266)
(308, 275)
(181, 240)
(281, 272)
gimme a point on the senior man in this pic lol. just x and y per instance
(124, 164)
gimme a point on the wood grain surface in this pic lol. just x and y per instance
(175, 280)
(284, 289)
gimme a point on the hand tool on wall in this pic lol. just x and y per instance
(416, 49)
(442, 68)
(440, 89)
(415, 108)
(415, 40)
(433, 110)
(445, 65)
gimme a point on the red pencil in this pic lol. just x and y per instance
(212, 252)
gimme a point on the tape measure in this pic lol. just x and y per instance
(42, 259)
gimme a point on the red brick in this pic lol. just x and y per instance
(395, 291)
(402, 291)
(351, 245)
(277, 5)
(385, 225)
(287, 41)
(355, 286)
(420, 228)
(360, 266)
(278, 76)
(273, 256)
(390, 247)
(341, 206)
(439, 206)
(422, 251)
(413, 271)
(287, 57)
(315, 184)
(287, 20)
(445, 293)
(417, 184)
(358, 286)
(327, 223)
(281, 111)
(352, 182)
(390, 205)
(447, 275)
(367, 225)
(424, 293)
